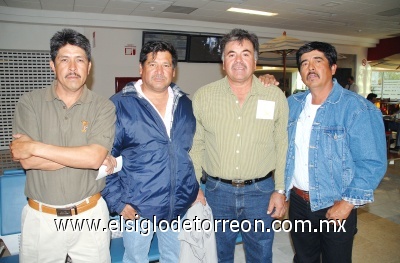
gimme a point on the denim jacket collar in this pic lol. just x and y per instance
(333, 97)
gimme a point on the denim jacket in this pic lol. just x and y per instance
(347, 152)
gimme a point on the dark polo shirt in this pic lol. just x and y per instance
(41, 115)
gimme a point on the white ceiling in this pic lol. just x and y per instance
(362, 18)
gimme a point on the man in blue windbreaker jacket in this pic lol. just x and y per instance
(154, 132)
(336, 158)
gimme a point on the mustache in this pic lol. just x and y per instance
(73, 74)
(313, 73)
(158, 77)
(240, 64)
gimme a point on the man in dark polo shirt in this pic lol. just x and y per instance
(62, 134)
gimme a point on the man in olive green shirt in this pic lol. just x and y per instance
(62, 134)
(240, 140)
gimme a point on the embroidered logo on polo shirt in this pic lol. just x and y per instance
(85, 125)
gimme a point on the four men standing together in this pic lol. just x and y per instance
(246, 139)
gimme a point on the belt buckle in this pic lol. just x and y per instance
(66, 211)
(238, 182)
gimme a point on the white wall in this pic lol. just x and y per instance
(192, 76)
(361, 75)
(108, 55)
(22, 29)
(110, 61)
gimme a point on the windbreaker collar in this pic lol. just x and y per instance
(130, 89)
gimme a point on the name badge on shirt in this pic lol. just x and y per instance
(265, 110)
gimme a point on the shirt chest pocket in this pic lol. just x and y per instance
(333, 143)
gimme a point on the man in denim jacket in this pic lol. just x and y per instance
(336, 158)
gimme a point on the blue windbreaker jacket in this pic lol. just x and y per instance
(157, 177)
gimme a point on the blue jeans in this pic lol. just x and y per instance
(248, 203)
(137, 243)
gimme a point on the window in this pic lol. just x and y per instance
(386, 84)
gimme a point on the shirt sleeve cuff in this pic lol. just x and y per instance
(358, 197)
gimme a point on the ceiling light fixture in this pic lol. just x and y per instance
(252, 12)
(268, 68)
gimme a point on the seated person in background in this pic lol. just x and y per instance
(372, 97)
(351, 85)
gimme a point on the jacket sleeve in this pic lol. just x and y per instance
(113, 193)
(368, 148)
(116, 184)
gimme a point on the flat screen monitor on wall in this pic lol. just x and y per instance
(179, 41)
(204, 49)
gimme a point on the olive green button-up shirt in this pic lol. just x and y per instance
(41, 115)
(240, 142)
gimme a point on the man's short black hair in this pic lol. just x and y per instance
(238, 34)
(72, 37)
(372, 96)
(154, 47)
(326, 48)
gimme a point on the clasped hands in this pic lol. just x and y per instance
(21, 147)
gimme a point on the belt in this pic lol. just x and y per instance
(241, 182)
(303, 194)
(67, 211)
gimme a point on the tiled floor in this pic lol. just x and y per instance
(378, 237)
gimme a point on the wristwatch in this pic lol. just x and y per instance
(282, 192)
